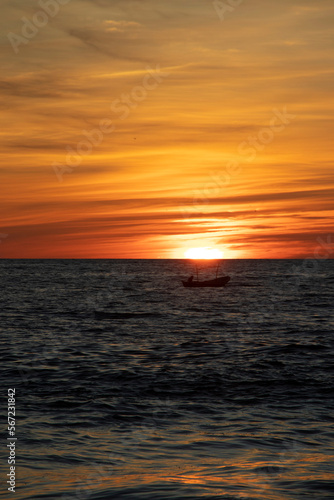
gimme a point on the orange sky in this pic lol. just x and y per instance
(212, 127)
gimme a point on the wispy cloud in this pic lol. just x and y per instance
(121, 26)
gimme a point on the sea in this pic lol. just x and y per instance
(130, 386)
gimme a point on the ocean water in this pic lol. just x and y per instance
(177, 393)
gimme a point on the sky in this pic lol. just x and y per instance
(143, 128)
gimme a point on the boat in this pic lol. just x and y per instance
(217, 282)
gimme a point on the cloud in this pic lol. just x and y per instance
(32, 85)
(115, 43)
(270, 197)
(121, 26)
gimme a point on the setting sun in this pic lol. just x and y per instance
(203, 253)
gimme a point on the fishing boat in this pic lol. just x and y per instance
(217, 282)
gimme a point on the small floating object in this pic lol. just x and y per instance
(216, 282)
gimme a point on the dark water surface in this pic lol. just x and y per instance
(179, 393)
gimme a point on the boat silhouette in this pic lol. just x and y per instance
(216, 282)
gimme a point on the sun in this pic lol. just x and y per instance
(203, 253)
